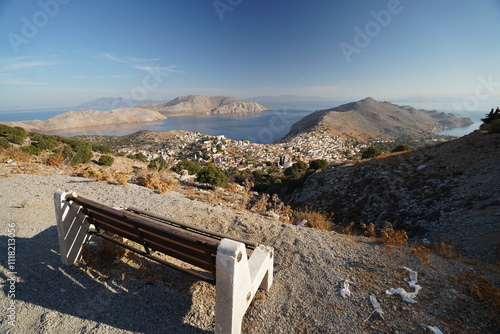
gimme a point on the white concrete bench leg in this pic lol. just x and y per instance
(72, 228)
(237, 282)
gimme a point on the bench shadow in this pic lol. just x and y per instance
(138, 305)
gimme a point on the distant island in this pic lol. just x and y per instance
(184, 105)
(90, 118)
(370, 119)
(199, 104)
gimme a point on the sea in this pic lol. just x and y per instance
(263, 127)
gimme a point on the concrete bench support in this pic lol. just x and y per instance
(238, 279)
(72, 228)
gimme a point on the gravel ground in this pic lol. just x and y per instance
(305, 297)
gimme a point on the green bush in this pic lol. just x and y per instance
(370, 152)
(495, 126)
(34, 150)
(400, 148)
(77, 151)
(106, 160)
(318, 164)
(16, 135)
(101, 148)
(212, 175)
(297, 170)
(192, 167)
(4, 142)
(158, 164)
(138, 156)
(44, 142)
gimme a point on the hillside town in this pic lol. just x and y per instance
(227, 153)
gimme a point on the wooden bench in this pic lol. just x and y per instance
(237, 267)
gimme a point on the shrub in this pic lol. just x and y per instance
(370, 152)
(101, 148)
(138, 156)
(495, 126)
(389, 236)
(31, 150)
(400, 148)
(318, 164)
(192, 167)
(16, 135)
(212, 175)
(315, 219)
(78, 151)
(158, 164)
(106, 160)
(4, 142)
(157, 181)
(55, 160)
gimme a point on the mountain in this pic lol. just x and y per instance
(369, 119)
(112, 103)
(199, 104)
(272, 99)
(90, 118)
(446, 190)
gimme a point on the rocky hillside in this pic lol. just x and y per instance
(112, 292)
(450, 190)
(369, 119)
(90, 118)
(198, 104)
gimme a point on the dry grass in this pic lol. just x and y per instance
(445, 248)
(55, 160)
(390, 237)
(160, 181)
(482, 288)
(369, 230)
(422, 253)
(315, 219)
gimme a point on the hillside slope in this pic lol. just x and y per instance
(135, 295)
(369, 118)
(198, 104)
(448, 190)
(90, 118)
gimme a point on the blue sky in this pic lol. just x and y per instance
(435, 54)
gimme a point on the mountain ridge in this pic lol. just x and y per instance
(90, 118)
(370, 119)
(201, 104)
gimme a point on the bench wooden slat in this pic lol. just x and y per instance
(115, 226)
(194, 256)
(197, 229)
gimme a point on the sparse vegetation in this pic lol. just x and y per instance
(106, 160)
(138, 156)
(315, 219)
(491, 122)
(160, 181)
(212, 175)
(192, 167)
(158, 164)
(370, 152)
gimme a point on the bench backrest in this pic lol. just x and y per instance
(185, 242)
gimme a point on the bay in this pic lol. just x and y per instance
(264, 127)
